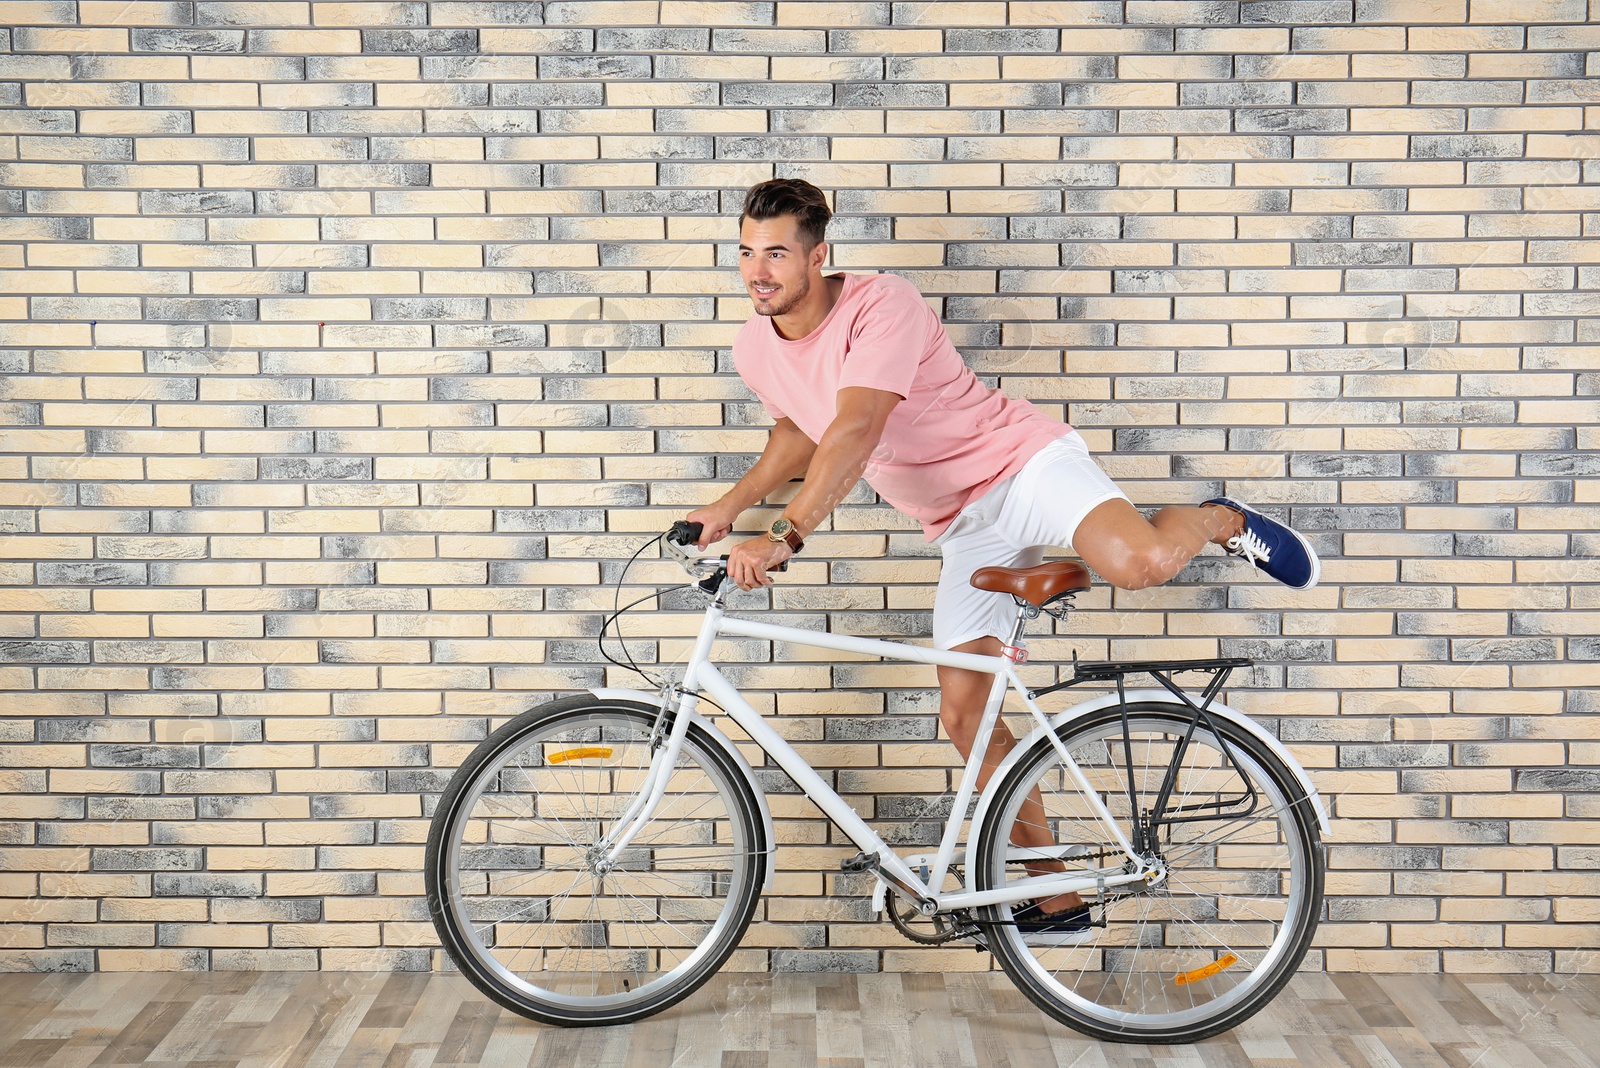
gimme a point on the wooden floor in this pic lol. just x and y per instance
(408, 1020)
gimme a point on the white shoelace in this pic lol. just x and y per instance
(1249, 545)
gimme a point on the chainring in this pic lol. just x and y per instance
(944, 932)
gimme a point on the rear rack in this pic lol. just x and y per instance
(1148, 825)
(1103, 670)
(1111, 669)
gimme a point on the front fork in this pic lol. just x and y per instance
(666, 742)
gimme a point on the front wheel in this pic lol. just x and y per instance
(529, 909)
(1204, 948)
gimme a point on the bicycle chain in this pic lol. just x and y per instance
(965, 926)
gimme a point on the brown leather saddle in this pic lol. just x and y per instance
(1036, 585)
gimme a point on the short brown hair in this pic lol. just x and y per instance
(790, 196)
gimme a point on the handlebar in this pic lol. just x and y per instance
(684, 533)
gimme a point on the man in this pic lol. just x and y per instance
(862, 381)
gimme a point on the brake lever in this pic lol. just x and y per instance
(721, 564)
(681, 553)
(682, 535)
(678, 539)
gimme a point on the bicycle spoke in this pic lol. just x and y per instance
(1207, 843)
(661, 919)
(533, 904)
(550, 907)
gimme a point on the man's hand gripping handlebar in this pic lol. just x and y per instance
(712, 571)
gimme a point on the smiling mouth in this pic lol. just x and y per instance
(760, 292)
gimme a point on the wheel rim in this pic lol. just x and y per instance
(526, 901)
(1229, 884)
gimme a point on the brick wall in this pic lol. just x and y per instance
(349, 346)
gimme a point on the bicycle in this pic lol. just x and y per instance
(597, 858)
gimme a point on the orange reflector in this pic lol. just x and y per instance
(1227, 960)
(578, 754)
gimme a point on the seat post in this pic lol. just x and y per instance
(1025, 612)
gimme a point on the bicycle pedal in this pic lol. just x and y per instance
(861, 862)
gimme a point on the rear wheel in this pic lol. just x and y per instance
(527, 907)
(1216, 939)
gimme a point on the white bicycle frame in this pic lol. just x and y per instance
(701, 675)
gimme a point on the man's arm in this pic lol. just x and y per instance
(786, 456)
(838, 462)
(842, 454)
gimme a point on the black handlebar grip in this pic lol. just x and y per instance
(684, 532)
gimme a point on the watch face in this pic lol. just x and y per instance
(780, 529)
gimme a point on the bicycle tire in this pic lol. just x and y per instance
(1155, 966)
(519, 906)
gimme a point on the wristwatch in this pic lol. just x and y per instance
(783, 530)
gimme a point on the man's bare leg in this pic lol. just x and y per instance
(1132, 552)
(962, 696)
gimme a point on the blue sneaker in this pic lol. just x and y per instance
(1269, 546)
(1066, 928)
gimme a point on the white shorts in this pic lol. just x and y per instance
(1011, 526)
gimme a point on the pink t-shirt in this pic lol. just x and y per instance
(945, 445)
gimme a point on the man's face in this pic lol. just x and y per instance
(775, 265)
